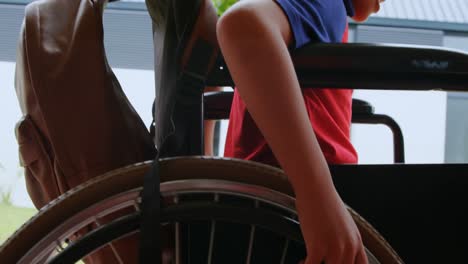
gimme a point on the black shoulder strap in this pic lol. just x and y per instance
(150, 246)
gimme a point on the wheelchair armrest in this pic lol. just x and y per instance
(361, 107)
(373, 66)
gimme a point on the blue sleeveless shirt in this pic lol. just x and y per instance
(317, 20)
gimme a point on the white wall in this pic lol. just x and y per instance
(456, 41)
(421, 116)
(10, 174)
(456, 145)
(138, 85)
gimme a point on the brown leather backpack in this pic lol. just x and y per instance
(77, 121)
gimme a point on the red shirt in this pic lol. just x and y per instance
(329, 112)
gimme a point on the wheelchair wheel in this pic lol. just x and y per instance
(216, 211)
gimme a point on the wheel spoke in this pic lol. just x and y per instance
(177, 235)
(285, 251)
(252, 237)
(212, 234)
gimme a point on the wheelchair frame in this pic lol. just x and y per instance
(217, 106)
(395, 197)
(405, 202)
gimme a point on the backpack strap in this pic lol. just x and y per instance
(185, 51)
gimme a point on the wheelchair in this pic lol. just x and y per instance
(220, 210)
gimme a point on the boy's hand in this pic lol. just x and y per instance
(331, 234)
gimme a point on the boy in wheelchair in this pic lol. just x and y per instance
(252, 34)
(254, 37)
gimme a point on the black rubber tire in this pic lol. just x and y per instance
(179, 168)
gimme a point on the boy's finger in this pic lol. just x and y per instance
(361, 257)
(334, 257)
(349, 257)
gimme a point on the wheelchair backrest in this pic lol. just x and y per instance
(185, 50)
